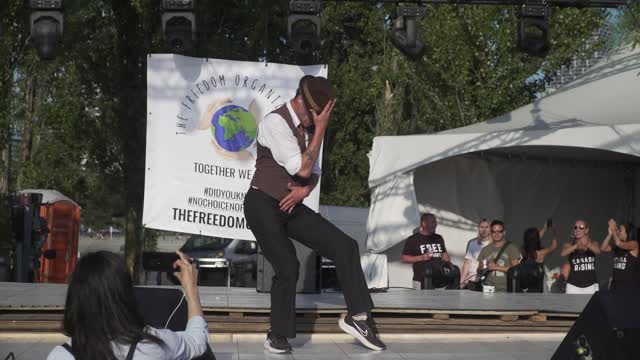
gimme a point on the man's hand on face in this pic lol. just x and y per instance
(321, 121)
(296, 194)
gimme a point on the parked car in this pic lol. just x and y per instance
(241, 256)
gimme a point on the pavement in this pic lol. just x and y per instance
(339, 347)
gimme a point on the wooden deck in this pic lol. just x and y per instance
(39, 307)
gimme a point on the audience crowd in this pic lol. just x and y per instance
(494, 262)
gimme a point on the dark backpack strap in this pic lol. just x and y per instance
(501, 251)
(69, 349)
(132, 349)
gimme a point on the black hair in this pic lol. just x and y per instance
(425, 216)
(531, 244)
(632, 235)
(101, 308)
(497, 222)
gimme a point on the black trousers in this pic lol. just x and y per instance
(273, 227)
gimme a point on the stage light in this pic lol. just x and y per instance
(303, 26)
(533, 28)
(179, 25)
(46, 27)
(404, 31)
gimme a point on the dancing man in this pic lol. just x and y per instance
(289, 141)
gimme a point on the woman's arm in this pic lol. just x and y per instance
(193, 341)
(182, 345)
(542, 231)
(188, 277)
(565, 270)
(554, 245)
(606, 245)
(627, 245)
(594, 246)
(567, 249)
(465, 272)
(546, 251)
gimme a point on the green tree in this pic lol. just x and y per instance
(627, 26)
(471, 72)
(13, 46)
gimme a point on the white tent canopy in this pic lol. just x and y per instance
(49, 196)
(573, 154)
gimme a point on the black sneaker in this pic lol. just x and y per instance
(277, 344)
(362, 331)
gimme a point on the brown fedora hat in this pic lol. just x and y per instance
(316, 92)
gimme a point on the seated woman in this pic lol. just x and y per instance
(626, 263)
(103, 322)
(581, 253)
(531, 266)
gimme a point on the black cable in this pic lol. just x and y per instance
(467, 279)
(400, 287)
(381, 290)
(174, 310)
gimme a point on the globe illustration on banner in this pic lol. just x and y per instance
(234, 128)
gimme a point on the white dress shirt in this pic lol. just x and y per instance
(275, 134)
(179, 345)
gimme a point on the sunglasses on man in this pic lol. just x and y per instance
(579, 227)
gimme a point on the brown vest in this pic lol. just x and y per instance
(269, 176)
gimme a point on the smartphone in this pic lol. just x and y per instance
(159, 261)
(549, 222)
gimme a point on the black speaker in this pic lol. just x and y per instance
(164, 308)
(439, 273)
(607, 329)
(308, 279)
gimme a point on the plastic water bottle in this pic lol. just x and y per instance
(483, 275)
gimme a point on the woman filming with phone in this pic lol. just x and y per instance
(533, 250)
(581, 254)
(102, 320)
(533, 255)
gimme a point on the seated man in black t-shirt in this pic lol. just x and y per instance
(426, 251)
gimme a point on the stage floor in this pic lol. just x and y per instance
(52, 296)
(39, 307)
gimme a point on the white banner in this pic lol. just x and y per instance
(202, 117)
